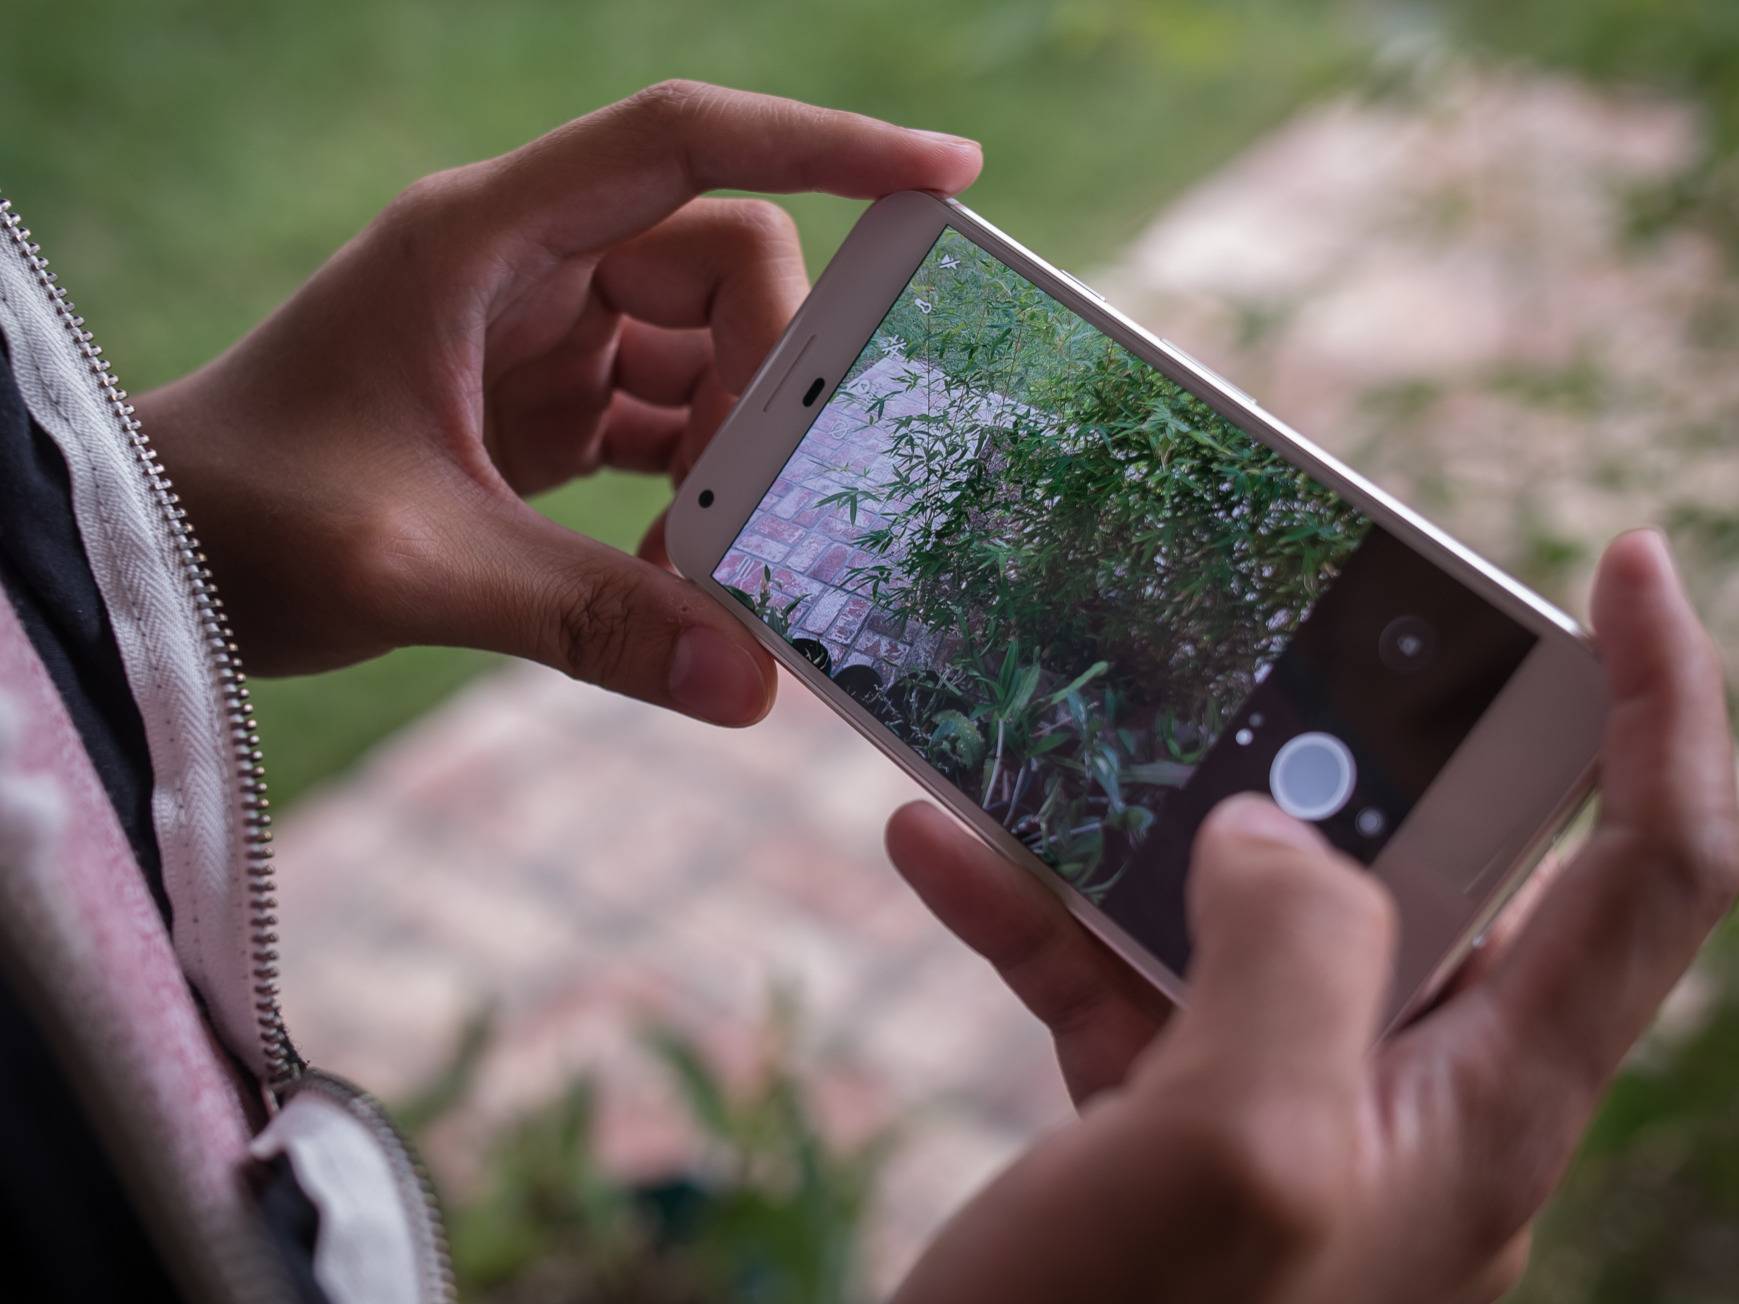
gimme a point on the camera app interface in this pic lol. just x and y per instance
(1096, 606)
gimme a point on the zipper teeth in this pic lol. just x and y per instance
(363, 1105)
(282, 1064)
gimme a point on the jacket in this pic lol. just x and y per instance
(137, 885)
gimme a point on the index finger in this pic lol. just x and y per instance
(622, 169)
(733, 265)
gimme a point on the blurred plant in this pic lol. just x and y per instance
(1650, 1212)
(1710, 531)
(770, 1211)
(1546, 556)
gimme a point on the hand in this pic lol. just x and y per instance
(1255, 1147)
(355, 465)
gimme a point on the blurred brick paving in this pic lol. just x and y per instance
(593, 866)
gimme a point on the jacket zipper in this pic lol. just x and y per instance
(285, 1069)
(434, 1260)
(282, 1062)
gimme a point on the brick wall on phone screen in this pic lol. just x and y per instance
(808, 549)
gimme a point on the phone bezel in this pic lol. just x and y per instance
(1524, 768)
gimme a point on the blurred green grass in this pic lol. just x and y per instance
(187, 164)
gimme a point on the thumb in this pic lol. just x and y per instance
(540, 591)
(1293, 950)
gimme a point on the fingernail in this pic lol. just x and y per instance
(946, 139)
(1662, 543)
(1259, 820)
(1655, 540)
(713, 678)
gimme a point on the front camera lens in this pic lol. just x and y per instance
(1407, 644)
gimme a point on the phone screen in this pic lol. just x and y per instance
(1096, 606)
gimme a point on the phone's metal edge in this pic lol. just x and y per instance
(1526, 862)
(1532, 609)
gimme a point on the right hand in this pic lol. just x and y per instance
(1255, 1147)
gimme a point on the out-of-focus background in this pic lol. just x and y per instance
(647, 992)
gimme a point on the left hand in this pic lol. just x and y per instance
(355, 466)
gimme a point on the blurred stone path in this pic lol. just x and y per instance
(592, 866)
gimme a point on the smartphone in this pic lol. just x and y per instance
(1082, 588)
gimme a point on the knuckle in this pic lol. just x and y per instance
(1515, 1154)
(593, 628)
(664, 117)
(424, 199)
(765, 223)
(419, 221)
(1284, 1209)
(672, 101)
(1029, 964)
(1692, 851)
(1703, 855)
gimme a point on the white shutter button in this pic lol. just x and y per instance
(1312, 776)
